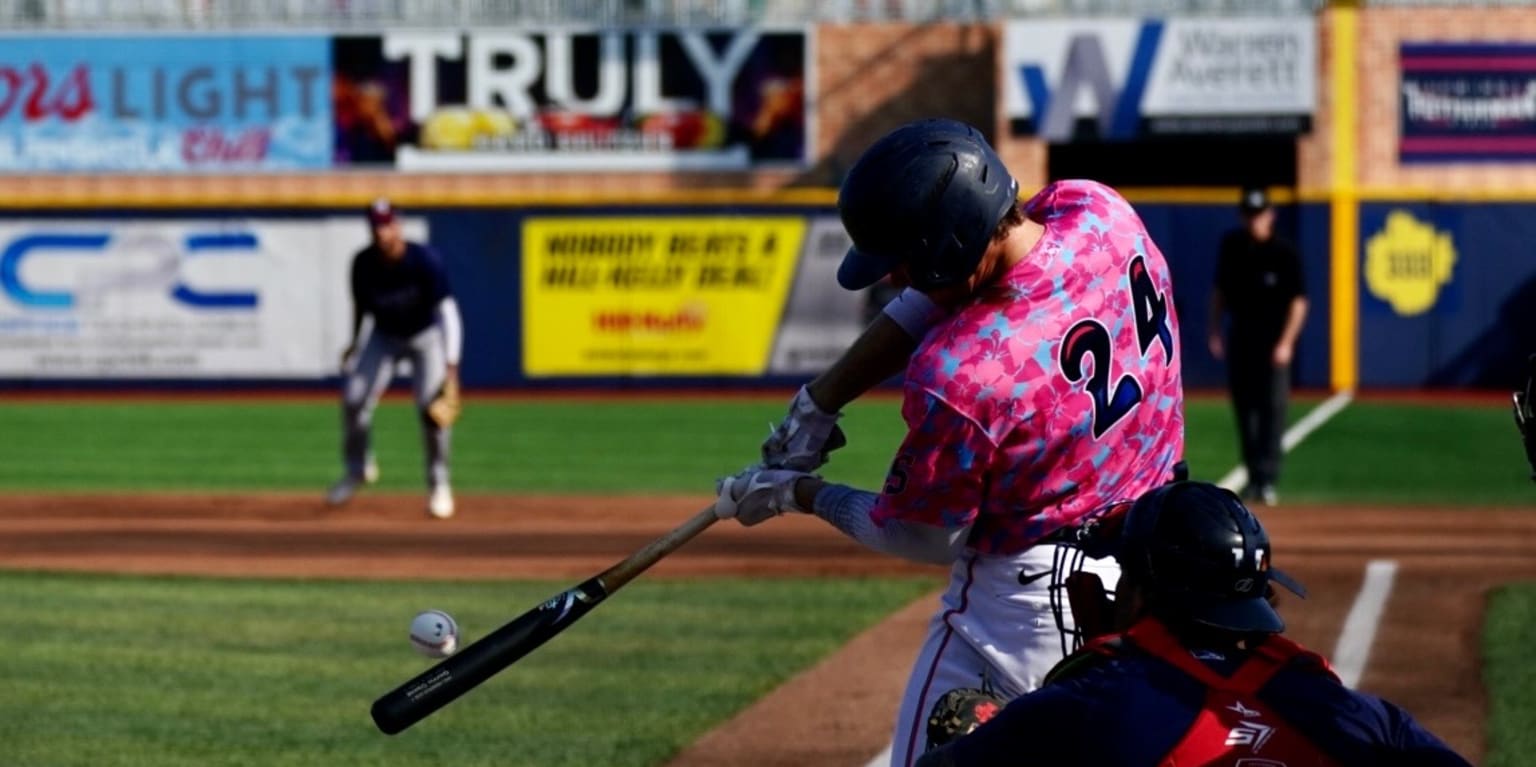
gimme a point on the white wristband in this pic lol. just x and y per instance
(914, 311)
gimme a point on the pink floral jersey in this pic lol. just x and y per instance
(1056, 393)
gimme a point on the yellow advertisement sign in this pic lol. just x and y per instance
(655, 295)
(1408, 262)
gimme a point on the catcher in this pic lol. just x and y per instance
(1199, 673)
(1525, 414)
(403, 309)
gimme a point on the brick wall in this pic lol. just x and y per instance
(1314, 151)
(1381, 31)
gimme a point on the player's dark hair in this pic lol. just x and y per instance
(1011, 220)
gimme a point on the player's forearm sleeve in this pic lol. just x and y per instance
(914, 311)
(847, 509)
(453, 329)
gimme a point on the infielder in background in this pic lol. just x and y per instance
(402, 309)
(1199, 674)
(1047, 387)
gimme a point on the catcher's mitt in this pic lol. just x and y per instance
(960, 711)
(444, 409)
(1525, 414)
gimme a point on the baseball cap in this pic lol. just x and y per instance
(1254, 200)
(380, 212)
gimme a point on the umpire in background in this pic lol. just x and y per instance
(1259, 288)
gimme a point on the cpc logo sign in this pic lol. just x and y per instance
(67, 270)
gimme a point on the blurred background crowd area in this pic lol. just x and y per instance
(87, 14)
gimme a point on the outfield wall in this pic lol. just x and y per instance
(1411, 214)
(552, 295)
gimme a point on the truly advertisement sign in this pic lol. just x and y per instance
(563, 99)
(1123, 79)
(139, 103)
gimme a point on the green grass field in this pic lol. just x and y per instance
(1509, 633)
(162, 671)
(1371, 453)
(155, 672)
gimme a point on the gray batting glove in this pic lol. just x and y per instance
(802, 441)
(756, 495)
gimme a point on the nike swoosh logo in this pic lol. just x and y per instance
(1025, 580)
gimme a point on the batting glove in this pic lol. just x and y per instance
(803, 439)
(756, 495)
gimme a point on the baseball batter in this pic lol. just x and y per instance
(1046, 388)
(1199, 673)
(403, 309)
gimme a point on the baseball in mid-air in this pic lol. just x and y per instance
(434, 634)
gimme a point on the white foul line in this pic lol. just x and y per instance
(1293, 436)
(1235, 479)
(1354, 648)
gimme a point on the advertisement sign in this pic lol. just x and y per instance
(562, 99)
(822, 319)
(1408, 263)
(654, 295)
(1462, 102)
(1447, 294)
(193, 298)
(1122, 79)
(203, 103)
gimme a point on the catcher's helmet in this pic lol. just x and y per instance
(1204, 557)
(928, 194)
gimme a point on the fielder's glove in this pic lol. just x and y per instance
(1525, 414)
(444, 409)
(960, 711)
(803, 439)
(756, 495)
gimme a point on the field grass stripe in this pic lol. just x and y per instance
(1354, 649)
(1312, 421)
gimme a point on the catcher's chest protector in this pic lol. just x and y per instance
(1233, 728)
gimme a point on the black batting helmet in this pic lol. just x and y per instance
(929, 195)
(1202, 556)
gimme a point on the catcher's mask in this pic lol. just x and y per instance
(1095, 536)
(1200, 555)
(1203, 557)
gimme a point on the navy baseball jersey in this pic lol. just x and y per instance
(402, 296)
(1142, 699)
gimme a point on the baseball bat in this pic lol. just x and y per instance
(468, 668)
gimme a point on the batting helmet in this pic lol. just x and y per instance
(929, 195)
(1202, 556)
